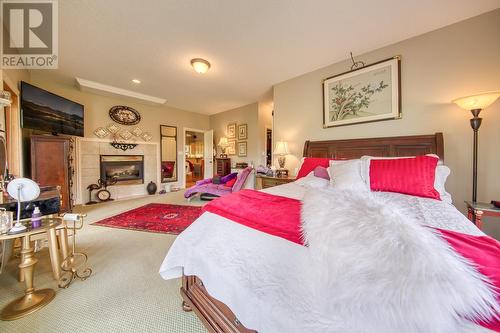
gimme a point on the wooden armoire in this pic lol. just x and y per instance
(51, 165)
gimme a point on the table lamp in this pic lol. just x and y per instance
(281, 149)
(223, 144)
(22, 189)
(475, 103)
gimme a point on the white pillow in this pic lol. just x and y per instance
(442, 172)
(312, 181)
(346, 175)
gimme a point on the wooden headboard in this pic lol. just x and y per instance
(387, 147)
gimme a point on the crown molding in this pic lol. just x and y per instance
(100, 88)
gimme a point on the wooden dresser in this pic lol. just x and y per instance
(51, 165)
(268, 181)
(222, 166)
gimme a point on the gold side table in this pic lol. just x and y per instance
(33, 299)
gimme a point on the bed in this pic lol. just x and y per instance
(277, 281)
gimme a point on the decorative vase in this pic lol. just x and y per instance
(151, 188)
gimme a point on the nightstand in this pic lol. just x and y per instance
(476, 210)
(268, 181)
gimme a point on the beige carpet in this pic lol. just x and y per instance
(125, 292)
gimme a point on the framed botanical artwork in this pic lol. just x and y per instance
(231, 150)
(370, 93)
(242, 132)
(242, 149)
(231, 131)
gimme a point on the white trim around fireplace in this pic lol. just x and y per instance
(81, 194)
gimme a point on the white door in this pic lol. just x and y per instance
(208, 153)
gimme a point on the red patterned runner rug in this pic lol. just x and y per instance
(154, 217)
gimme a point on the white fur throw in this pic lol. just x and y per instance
(378, 271)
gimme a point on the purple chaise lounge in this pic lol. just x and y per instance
(244, 179)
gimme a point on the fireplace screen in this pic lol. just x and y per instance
(127, 169)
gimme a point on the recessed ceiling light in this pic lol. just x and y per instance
(200, 65)
(136, 81)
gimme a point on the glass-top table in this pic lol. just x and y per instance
(33, 299)
(476, 210)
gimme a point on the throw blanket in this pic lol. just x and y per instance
(388, 272)
(272, 214)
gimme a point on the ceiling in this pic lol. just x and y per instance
(251, 44)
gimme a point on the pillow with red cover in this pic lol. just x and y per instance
(414, 176)
(310, 163)
(230, 182)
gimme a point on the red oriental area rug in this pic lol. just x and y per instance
(159, 218)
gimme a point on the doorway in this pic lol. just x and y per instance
(198, 155)
(194, 151)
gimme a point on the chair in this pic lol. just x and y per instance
(246, 179)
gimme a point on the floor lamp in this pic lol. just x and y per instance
(475, 103)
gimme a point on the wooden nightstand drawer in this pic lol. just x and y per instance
(266, 181)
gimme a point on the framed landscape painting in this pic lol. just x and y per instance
(367, 94)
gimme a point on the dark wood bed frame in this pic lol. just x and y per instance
(215, 315)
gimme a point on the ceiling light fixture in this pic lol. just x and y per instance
(136, 81)
(200, 66)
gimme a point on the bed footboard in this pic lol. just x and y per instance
(215, 315)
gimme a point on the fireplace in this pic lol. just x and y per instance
(128, 169)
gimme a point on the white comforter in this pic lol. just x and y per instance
(266, 280)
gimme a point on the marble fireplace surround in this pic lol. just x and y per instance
(88, 167)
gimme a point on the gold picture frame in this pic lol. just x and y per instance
(231, 149)
(231, 131)
(243, 132)
(242, 149)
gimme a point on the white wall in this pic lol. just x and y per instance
(436, 67)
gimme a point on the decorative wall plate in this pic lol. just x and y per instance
(137, 131)
(124, 115)
(146, 136)
(125, 134)
(113, 128)
(101, 132)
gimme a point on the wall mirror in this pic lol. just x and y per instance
(168, 143)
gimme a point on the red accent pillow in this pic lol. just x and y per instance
(230, 183)
(310, 163)
(414, 176)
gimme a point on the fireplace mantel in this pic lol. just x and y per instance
(88, 168)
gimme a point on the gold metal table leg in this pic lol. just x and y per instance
(54, 253)
(32, 299)
(63, 240)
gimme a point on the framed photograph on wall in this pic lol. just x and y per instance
(243, 132)
(242, 149)
(370, 93)
(231, 131)
(231, 150)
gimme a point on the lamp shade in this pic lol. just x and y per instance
(281, 148)
(223, 142)
(479, 101)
